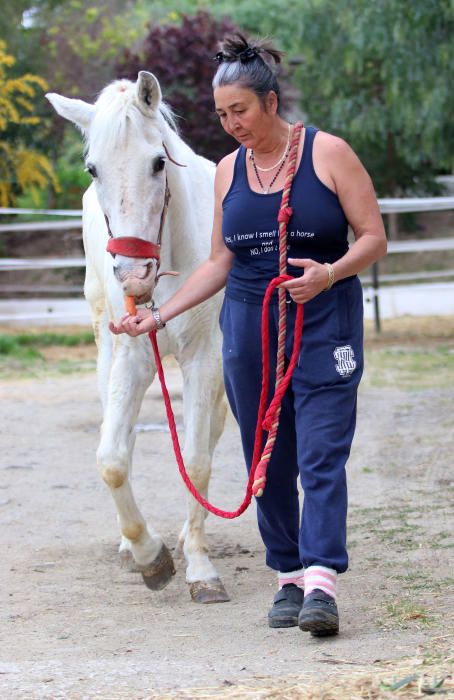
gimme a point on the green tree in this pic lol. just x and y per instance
(73, 44)
(21, 167)
(376, 73)
(82, 40)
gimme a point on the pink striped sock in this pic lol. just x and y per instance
(296, 577)
(320, 577)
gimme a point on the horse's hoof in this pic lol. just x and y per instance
(208, 591)
(158, 574)
(127, 562)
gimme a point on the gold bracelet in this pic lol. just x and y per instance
(330, 269)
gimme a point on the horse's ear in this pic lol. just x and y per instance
(76, 111)
(148, 92)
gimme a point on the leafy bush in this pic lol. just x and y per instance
(21, 168)
(181, 56)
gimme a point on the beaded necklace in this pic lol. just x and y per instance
(283, 156)
(265, 190)
(280, 163)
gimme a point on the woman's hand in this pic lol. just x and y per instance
(142, 322)
(306, 287)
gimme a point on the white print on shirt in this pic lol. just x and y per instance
(267, 240)
(345, 358)
(300, 234)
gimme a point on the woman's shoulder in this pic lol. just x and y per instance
(333, 152)
(330, 144)
(227, 162)
(224, 172)
(334, 160)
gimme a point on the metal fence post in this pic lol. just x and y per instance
(375, 284)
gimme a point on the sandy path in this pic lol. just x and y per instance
(74, 625)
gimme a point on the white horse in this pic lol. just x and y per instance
(133, 153)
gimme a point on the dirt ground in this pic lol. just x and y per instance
(75, 625)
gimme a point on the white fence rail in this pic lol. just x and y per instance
(42, 212)
(415, 204)
(10, 264)
(387, 206)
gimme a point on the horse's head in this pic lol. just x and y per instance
(126, 156)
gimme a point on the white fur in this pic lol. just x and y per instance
(124, 131)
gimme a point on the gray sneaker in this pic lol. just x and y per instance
(288, 602)
(319, 614)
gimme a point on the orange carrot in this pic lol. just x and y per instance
(130, 305)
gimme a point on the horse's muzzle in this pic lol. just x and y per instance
(136, 279)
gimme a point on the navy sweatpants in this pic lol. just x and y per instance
(316, 426)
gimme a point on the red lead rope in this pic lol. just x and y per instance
(265, 417)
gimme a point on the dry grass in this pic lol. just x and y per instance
(406, 680)
(11, 329)
(411, 330)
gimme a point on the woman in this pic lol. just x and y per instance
(331, 190)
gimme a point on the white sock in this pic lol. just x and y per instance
(296, 577)
(320, 577)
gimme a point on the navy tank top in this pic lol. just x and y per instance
(317, 229)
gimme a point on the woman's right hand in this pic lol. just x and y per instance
(142, 322)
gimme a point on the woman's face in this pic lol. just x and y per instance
(243, 115)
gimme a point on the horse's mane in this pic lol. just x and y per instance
(117, 111)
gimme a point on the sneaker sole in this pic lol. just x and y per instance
(282, 622)
(319, 623)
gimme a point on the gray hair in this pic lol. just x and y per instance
(249, 65)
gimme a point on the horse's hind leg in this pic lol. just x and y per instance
(130, 376)
(204, 415)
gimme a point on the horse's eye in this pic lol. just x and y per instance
(158, 164)
(90, 168)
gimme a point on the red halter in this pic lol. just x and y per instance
(133, 247)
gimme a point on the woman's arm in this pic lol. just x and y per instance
(208, 279)
(346, 175)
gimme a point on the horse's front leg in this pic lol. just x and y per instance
(204, 415)
(130, 376)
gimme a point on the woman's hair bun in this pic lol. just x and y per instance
(236, 47)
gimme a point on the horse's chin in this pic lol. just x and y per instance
(144, 298)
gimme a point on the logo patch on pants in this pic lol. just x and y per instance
(345, 358)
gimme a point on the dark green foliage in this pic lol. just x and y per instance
(376, 73)
(181, 56)
(379, 74)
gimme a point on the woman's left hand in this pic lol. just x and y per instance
(142, 322)
(315, 280)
